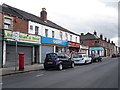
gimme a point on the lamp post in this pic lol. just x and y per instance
(16, 38)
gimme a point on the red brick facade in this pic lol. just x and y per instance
(1, 21)
(20, 25)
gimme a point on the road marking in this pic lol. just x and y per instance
(1, 83)
(39, 75)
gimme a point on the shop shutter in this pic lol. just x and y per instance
(11, 52)
(0, 53)
(44, 51)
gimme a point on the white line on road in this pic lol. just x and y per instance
(39, 75)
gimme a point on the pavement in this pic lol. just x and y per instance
(27, 68)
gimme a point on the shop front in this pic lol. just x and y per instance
(28, 44)
(97, 50)
(50, 45)
(73, 46)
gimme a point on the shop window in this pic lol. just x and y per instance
(7, 23)
(46, 32)
(36, 30)
(53, 34)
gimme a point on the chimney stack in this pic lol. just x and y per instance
(43, 15)
(108, 40)
(101, 36)
(82, 33)
(111, 42)
(95, 33)
(105, 39)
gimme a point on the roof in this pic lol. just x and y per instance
(89, 36)
(25, 15)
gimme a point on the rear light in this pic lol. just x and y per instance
(82, 58)
(57, 60)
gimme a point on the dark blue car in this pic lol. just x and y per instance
(58, 61)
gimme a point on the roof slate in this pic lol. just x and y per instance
(89, 36)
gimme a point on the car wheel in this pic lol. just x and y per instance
(85, 63)
(72, 65)
(60, 67)
(45, 68)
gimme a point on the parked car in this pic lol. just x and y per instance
(58, 61)
(96, 57)
(82, 59)
(118, 55)
(114, 55)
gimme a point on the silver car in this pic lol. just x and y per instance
(82, 59)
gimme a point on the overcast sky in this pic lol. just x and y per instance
(79, 16)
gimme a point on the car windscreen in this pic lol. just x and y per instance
(80, 56)
(75, 56)
(51, 55)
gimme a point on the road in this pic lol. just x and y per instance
(96, 75)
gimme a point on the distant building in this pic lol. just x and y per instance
(97, 44)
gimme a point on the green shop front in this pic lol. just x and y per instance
(28, 44)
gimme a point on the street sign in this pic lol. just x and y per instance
(15, 36)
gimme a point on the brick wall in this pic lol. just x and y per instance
(20, 25)
(89, 42)
(0, 20)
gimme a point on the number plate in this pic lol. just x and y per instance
(50, 62)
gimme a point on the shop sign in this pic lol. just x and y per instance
(97, 48)
(46, 40)
(23, 37)
(73, 44)
(15, 36)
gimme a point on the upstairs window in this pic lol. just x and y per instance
(66, 35)
(31, 27)
(36, 30)
(70, 37)
(53, 34)
(96, 41)
(76, 39)
(46, 32)
(7, 23)
(60, 35)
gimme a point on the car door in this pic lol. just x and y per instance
(66, 60)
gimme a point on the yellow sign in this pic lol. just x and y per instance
(23, 37)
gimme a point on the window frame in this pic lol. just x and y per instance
(46, 32)
(6, 24)
(36, 28)
(53, 34)
(61, 36)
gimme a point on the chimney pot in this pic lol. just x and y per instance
(95, 33)
(82, 33)
(101, 36)
(105, 39)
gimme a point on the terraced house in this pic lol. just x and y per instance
(98, 44)
(37, 36)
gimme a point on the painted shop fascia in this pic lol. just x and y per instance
(53, 41)
(26, 38)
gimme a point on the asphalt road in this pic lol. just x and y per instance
(96, 75)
